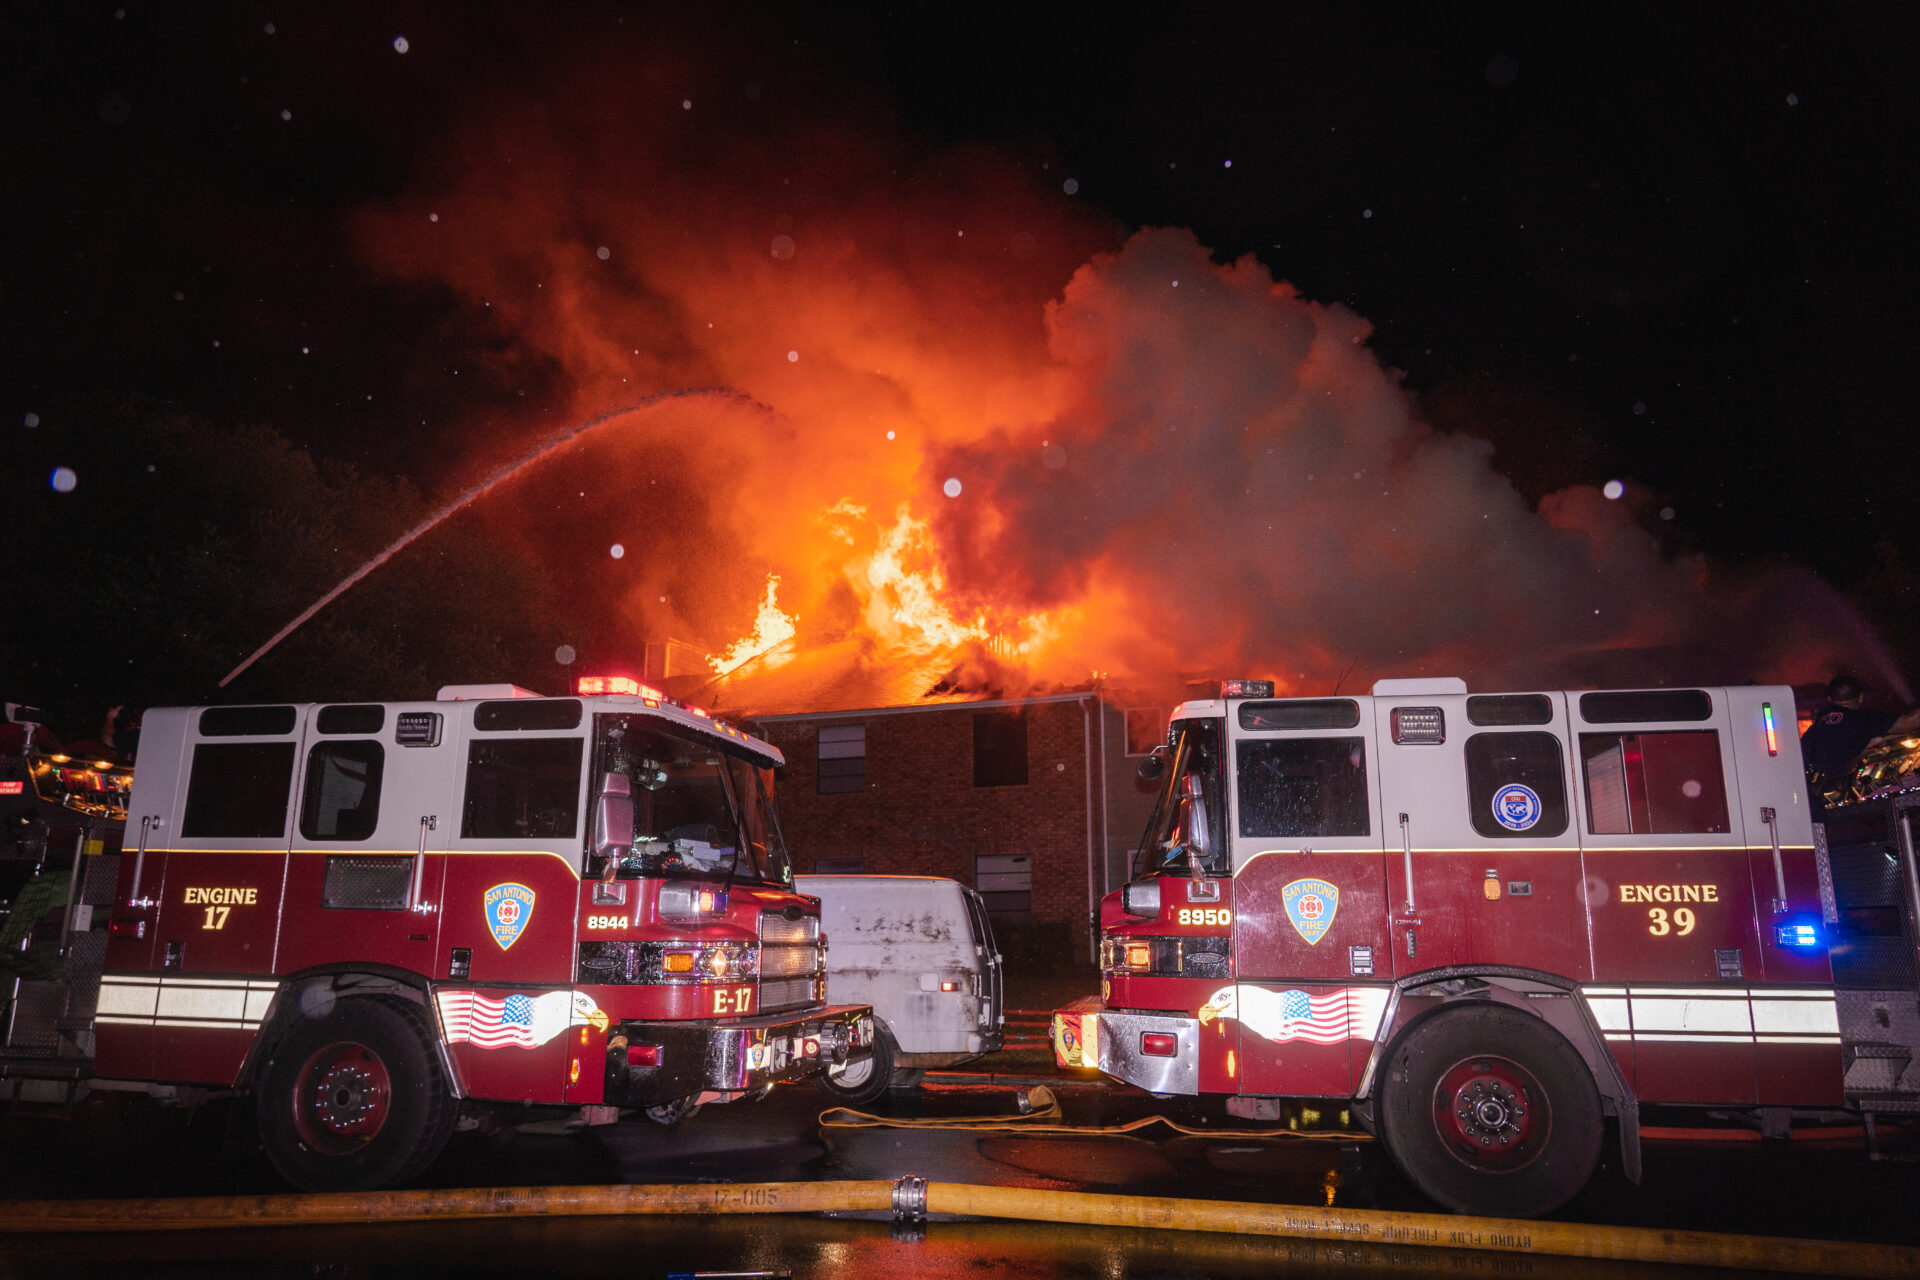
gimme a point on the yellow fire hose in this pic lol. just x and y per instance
(913, 1198)
(1040, 1105)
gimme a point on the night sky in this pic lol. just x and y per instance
(1669, 245)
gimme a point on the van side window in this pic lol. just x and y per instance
(342, 796)
(1654, 783)
(1303, 787)
(522, 788)
(1515, 785)
(239, 790)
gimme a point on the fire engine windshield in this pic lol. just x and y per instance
(697, 809)
(1191, 812)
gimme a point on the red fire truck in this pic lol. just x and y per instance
(1485, 923)
(381, 920)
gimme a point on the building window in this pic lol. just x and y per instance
(842, 766)
(1005, 884)
(1146, 729)
(1000, 748)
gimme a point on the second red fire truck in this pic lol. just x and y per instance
(382, 920)
(1487, 923)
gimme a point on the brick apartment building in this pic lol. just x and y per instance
(1033, 801)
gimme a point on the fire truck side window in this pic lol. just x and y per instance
(239, 790)
(1516, 785)
(1303, 787)
(522, 789)
(342, 800)
(1654, 783)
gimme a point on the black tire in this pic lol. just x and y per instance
(865, 1080)
(1490, 1111)
(355, 1100)
(668, 1115)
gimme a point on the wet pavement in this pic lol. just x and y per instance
(116, 1146)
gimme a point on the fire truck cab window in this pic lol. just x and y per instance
(342, 795)
(1654, 783)
(687, 798)
(1303, 787)
(1516, 785)
(1196, 753)
(522, 789)
(239, 790)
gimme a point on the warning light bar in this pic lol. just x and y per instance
(618, 684)
(1773, 734)
(1246, 688)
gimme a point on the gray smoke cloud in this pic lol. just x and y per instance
(1237, 467)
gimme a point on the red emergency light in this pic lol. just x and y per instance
(617, 684)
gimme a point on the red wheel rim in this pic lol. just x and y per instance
(1491, 1113)
(341, 1098)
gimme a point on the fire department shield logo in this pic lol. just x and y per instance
(1516, 807)
(1311, 906)
(508, 908)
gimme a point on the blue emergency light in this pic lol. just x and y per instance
(1801, 935)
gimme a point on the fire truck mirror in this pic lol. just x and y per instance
(613, 822)
(1152, 766)
(1199, 839)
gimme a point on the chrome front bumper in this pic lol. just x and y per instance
(1087, 1034)
(737, 1056)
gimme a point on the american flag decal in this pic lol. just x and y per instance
(1328, 1016)
(516, 1021)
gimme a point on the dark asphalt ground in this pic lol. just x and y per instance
(118, 1145)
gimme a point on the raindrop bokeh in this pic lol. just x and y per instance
(63, 480)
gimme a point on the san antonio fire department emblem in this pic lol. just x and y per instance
(1311, 905)
(508, 907)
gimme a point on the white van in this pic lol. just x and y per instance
(920, 951)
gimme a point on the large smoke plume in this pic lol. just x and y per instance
(1167, 466)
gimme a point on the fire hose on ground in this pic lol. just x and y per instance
(912, 1199)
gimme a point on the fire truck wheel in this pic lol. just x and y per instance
(354, 1100)
(865, 1080)
(672, 1113)
(1490, 1111)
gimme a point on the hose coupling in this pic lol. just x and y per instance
(910, 1198)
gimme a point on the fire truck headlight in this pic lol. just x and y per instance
(691, 902)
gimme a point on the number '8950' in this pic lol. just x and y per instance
(1206, 915)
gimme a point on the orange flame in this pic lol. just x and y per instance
(770, 627)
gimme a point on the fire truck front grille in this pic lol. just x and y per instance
(786, 993)
(775, 928)
(786, 962)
